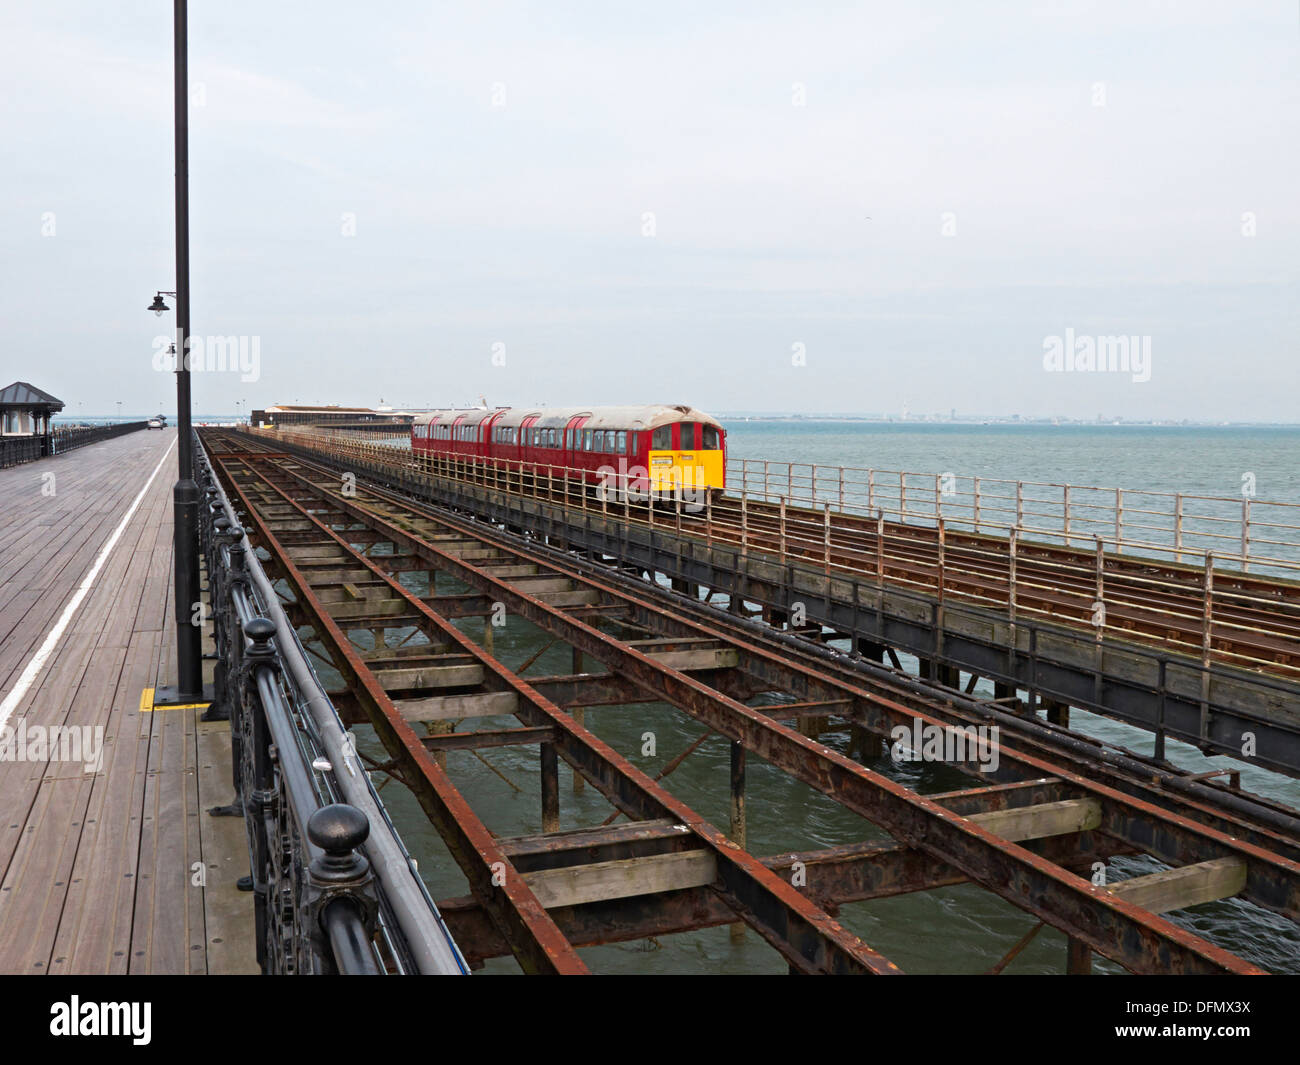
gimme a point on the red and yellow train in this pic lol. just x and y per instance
(661, 449)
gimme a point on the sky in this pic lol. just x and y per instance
(750, 206)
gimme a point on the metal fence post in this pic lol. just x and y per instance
(782, 552)
(826, 538)
(1245, 534)
(1119, 521)
(1178, 526)
(1207, 644)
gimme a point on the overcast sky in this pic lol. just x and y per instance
(667, 201)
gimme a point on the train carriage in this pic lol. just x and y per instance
(662, 449)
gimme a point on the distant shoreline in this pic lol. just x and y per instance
(980, 423)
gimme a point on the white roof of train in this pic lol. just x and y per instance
(646, 417)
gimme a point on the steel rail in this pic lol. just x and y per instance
(901, 685)
(561, 494)
(804, 934)
(1114, 928)
(1148, 626)
(1273, 884)
(517, 913)
(432, 948)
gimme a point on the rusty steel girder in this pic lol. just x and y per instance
(1129, 935)
(516, 913)
(806, 936)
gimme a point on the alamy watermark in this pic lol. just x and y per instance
(53, 743)
(927, 742)
(120, 1019)
(212, 354)
(1083, 353)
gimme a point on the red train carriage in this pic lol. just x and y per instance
(657, 448)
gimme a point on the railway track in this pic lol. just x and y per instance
(1247, 621)
(1055, 805)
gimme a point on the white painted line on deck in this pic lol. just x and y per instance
(39, 659)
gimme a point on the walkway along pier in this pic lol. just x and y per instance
(107, 863)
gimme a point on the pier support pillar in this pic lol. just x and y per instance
(738, 831)
(550, 788)
(1078, 958)
(1057, 713)
(579, 715)
(863, 743)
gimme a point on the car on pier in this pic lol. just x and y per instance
(157, 422)
(662, 449)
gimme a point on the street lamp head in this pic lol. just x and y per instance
(157, 306)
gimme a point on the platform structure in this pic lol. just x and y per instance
(378, 574)
(109, 862)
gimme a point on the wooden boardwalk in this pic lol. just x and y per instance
(116, 868)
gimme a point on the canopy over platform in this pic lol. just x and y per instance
(25, 410)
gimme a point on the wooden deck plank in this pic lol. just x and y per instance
(96, 868)
(95, 932)
(228, 912)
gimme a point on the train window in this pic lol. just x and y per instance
(586, 439)
(686, 436)
(622, 443)
(710, 441)
(662, 439)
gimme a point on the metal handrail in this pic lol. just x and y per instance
(1000, 504)
(349, 857)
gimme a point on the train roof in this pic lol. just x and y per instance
(650, 416)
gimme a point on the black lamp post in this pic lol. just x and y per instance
(185, 494)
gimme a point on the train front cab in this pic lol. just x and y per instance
(689, 454)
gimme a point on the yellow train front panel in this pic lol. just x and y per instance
(693, 470)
